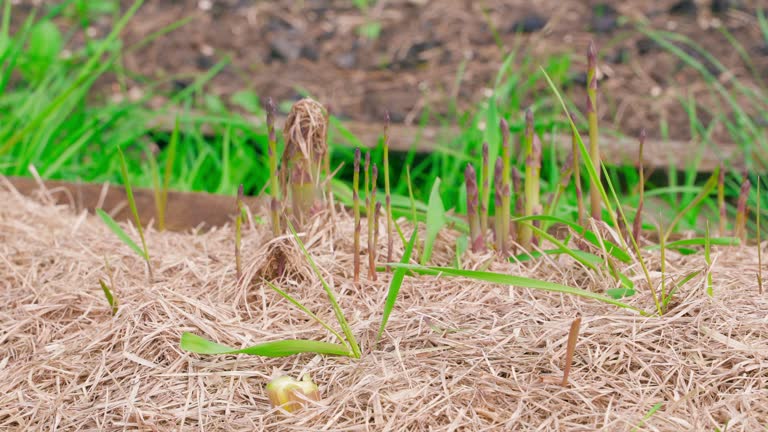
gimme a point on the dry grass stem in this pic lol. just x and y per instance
(458, 355)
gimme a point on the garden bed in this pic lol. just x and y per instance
(456, 354)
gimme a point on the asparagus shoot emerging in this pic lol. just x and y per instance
(356, 210)
(387, 195)
(576, 152)
(485, 191)
(721, 200)
(532, 151)
(372, 224)
(506, 156)
(740, 227)
(594, 148)
(638, 222)
(274, 187)
(238, 232)
(473, 217)
(499, 213)
(372, 257)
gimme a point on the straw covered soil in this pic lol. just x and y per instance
(457, 355)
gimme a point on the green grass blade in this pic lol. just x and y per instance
(613, 249)
(304, 309)
(132, 202)
(708, 187)
(585, 256)
(414, 219)
(519, 281)
(699, 241)
(119, 232)
(108, 294)
(394, 285)
(594, 177)
(170, 159)
(708, 260)
(92, 69)
(435, 221)
(282, 348)
(155, 174)
(331, 296)
(563, 248)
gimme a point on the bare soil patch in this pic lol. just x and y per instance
(280, 47)
(456, 355)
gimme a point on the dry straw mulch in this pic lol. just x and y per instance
(457, 355)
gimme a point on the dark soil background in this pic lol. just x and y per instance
(277, 47)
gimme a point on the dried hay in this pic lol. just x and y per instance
(456, 355)
(306, 131)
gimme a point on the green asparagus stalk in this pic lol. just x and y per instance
(373, 228)
(594, 147)
(506, 156)
(638, 222)
(517, 183)
(274, 188)
(356, 210)
(576, 152)
(721, 201)
(372, 262)
(532, 151)
(740, 227)
(565, 178)
(238, 231)
(476, 237)
(759, 243)
(485, 191)
(387, 195)
(499, 213)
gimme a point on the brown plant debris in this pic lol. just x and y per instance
(459, 355)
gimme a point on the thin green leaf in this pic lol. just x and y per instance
(612, 248)
(519, 281)
(331, 296)
(170, 159)
(708, 260)
(462, 244)
(394, 285)
(435, 221)
(304, 309)
(563, 248)
(283, 348)
(705, 191)
(108, 294)
(118, 231)
(132, 202)
(618, 293)
(688, 278)
(586, 256)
